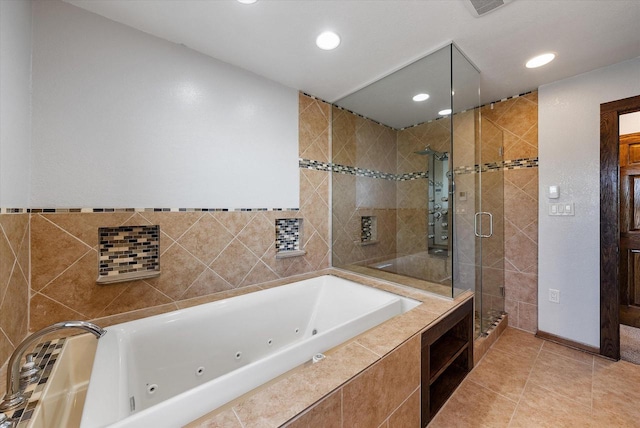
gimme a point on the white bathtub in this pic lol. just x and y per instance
(170, 369)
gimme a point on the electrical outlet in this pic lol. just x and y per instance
(554, 295)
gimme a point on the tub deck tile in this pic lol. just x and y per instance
(280, 402)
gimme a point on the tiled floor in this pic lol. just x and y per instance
(524, 381)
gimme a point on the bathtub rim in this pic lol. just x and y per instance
(404, 301)
(443, 305)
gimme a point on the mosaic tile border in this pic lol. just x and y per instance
(14, 210)
(362, 172)
(138, 210)
(499, 166)
(304, 164)
(47, 354)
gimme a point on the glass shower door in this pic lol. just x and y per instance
(490, 225)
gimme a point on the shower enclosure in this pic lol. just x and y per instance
(417, 191)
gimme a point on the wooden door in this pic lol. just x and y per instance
(629, 268)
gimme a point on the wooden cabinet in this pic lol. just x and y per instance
(447, 357)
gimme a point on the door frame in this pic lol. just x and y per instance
(609, 216)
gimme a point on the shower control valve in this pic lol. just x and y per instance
(437, 206)
(437, 214)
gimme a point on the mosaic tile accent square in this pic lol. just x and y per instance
(127, 252)
(288, 232)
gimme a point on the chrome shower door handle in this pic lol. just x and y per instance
(475, 225)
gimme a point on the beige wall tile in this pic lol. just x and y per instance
(179, 269)
(225, 419)
(173, 224)
(45, 311)
(52, 251)
(327, 414)
(137, 295)
(6, 349)
(206, 239)
(375, 393)
(523, 287)
(84, 226)
(14, 313)
(77, 289)
(14, 227)
(208, 282)
(518, 119)
(7, 261)
(408, 414)
(528, 317)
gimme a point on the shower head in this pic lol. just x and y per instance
(426, 151)
(429, 151)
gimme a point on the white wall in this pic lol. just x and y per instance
(569, 153)
(629, 123)
(15, 102)
(125, 119)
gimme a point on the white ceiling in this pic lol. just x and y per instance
(276, 38)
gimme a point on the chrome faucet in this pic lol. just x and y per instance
(13, 397)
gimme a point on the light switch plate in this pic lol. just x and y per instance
(563, 209)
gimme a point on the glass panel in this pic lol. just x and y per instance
(406, 184)
(492, 201)
(385, 158)
(466, 193)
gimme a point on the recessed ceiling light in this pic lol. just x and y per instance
(540, 60)
(328, 40)
(445, 112)
(247, 1)
(420, 97)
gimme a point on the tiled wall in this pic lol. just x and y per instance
(14, 283)
(201, 252)
(362, 143)
(413, 195)
(518, 119)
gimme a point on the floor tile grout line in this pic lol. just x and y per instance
(560, 393)
(565, 357)
(515, 410)
(489, 389)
